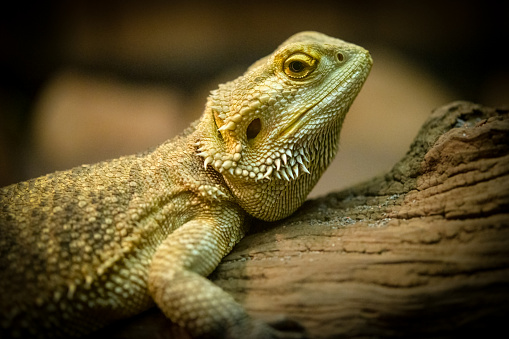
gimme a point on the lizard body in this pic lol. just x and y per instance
(82, 248)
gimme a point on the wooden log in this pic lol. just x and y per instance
(420, 252)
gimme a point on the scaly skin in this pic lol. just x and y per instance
(82, 248)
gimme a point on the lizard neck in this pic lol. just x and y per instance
(277, 198)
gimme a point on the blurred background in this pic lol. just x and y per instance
(85, 81)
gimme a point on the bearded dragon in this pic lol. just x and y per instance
(82, 248)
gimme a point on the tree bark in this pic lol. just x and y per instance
(420, 252)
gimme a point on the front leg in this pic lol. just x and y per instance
(178, 284)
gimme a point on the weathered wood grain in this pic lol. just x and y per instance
(420, 252)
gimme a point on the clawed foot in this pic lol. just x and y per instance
(280, 327)
(286, 325)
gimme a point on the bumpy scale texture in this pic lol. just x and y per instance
(82, 248)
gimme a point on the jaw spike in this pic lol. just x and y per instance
(283, 173)
(304, 169)
(303, 154)
(296, 170)
(278, 163)
(229, 126)
(283, 156)
(290, 172)
(207, 161)
(269, 171)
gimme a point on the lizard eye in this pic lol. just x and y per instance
(299, 65)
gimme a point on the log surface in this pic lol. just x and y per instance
(420, 252)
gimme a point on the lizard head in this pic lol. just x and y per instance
(273, 131)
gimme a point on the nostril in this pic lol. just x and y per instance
(340, 57)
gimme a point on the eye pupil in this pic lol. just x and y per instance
(296, 66)
(253, 129)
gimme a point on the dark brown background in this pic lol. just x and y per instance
(88, 81)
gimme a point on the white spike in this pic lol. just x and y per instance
(278, 176)
(283, 173)
(269, 171)
(304, 169)
(283, 156)
(290, 172)
(208, 160)
(299, 159)
(244, 111)
(278, 163)
(236, 118)
(203, 154)
(229, 126)
(296, 170)
(288, 152)
(231, 170)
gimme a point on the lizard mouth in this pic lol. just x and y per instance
(296, 123)
(300, 117)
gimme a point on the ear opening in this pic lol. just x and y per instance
(253, 129)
